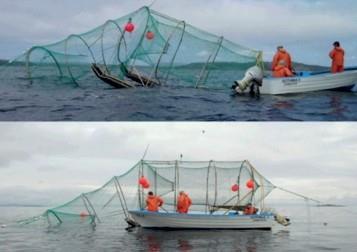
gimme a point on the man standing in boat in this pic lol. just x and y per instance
(337, 55)
(280, 55)
(153, 202)
(183, 203)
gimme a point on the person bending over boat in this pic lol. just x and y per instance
(153, 202)
(281, 70)
(282, 54)
(183, 203)
(337, 55)
(249, 209)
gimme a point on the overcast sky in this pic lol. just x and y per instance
(306, 27)
(51, 163)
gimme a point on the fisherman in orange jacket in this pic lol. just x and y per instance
(281, 70)
(282, 54)
(249, 209)
(183, 202)
(153, 202)
(337, 55)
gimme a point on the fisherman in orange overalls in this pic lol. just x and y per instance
(337, 55)
(153, 202)
(281, 70)
(183, 202)
(282, 54)
(249, 209)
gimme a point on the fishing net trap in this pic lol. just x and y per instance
(141, 49)
(215, 187)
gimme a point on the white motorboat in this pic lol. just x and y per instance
(310, 81)
(196, 220)
(224, 195)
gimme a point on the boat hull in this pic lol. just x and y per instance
(301, 84)
(161, 220)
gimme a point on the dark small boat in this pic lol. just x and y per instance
(141, 79)
(109, 79)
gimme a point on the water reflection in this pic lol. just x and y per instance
(188, 240)
(307, 233)
(184, 246)
(283, 105)
(337, 108)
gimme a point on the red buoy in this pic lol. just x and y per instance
(250, 184)
(150, 35)
(143, 180)
(129, 27)
(83, 214)
(146, 186)
(235, 188)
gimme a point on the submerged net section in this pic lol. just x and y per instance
(147, 44)
(209, 184)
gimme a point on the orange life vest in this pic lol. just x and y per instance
(282, 55)
(337, 55)
(183, 203)
(250, 210)
(153, 203)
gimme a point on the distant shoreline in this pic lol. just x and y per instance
(3, 61)
(20, 205)
(330, 205)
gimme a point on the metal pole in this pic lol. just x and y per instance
(28, 58)
(245, 196)
(155, 181)
(86, 206)
(118, 47)
(238, 179)
(66, 54)
(166, 48)
(176, 185)
(207, 181)
(204, 69)
(123, 203)
(91, 206)
(202, 72)
(139, 189)
(252, 177)
(215, 185)
(52, 212)
(175, 54)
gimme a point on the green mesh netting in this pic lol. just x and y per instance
(161, 48)
(208, 184)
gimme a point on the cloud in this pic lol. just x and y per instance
(40, 158)
(9, 156)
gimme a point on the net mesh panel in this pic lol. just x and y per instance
(178, 54)
(208, 184)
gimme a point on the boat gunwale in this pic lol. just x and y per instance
(265, 215)
(200, 228)
(312, 75)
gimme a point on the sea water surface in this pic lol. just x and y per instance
(312, 229)
(48, 99)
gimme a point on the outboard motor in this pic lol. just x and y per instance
(253, 79)
(282, 220)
